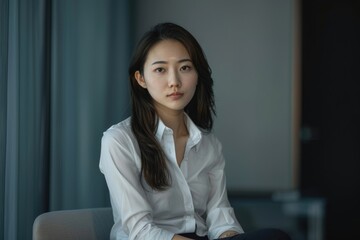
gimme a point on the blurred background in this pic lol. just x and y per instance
(286, 88)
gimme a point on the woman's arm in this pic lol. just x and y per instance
(221, 218)
(131, 209)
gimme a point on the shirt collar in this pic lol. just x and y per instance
(194, 131)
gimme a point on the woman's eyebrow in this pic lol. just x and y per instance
(185, 60)
(159, 62)
(180, 61)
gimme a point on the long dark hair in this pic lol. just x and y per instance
(144, 120)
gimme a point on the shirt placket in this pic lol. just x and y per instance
(188, 201)
(181, 174)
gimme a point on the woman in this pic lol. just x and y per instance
(163, 166)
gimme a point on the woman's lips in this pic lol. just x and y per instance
(175, 95)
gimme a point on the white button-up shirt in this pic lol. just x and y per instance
(196, 201)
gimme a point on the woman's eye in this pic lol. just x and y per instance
(185, 68)
(159, 70)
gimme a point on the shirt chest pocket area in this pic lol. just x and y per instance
(163, 202)
(200, 189)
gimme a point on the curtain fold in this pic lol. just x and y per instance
(89, 91)
(63, 82)
(26, 114)
(4, 26)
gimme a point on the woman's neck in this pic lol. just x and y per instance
(174, 120)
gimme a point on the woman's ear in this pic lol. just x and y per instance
(140, 79)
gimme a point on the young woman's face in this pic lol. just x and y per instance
(169, 75)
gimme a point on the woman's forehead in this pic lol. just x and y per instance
(166, 50)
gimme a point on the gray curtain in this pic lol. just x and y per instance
(63, 82)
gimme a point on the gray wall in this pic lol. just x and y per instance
(250, 47)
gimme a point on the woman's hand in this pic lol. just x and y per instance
(228, 234)
(178, 237)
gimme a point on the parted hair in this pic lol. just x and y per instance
(144, 120)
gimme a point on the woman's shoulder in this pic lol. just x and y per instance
(209, 135)
(119, 131)
(210, 138)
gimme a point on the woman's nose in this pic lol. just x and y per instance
(174, 80)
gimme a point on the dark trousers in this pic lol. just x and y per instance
(262, 234)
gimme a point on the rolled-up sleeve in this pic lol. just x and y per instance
(220, 215)
(132, 212)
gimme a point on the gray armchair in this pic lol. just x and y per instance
(89, 224)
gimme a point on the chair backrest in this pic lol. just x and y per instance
(90, 224)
